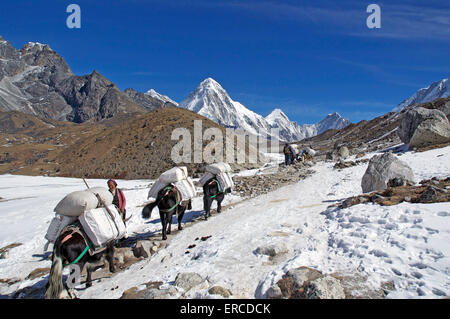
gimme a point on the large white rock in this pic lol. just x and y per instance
(381, 169)
(423, 127)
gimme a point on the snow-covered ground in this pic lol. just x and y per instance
(407, 243)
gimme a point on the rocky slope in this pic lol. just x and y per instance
(36, 80)
(367, 136)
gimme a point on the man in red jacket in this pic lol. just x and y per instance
(119, 198)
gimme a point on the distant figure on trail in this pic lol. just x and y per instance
(288, 154)
(119, 198)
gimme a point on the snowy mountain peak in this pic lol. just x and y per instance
(212, 101)
(276, 115)
(209, 82)
(438, 89)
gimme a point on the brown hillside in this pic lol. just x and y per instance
(139, 147)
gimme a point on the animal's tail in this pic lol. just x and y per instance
(55, 284)
(147, 210)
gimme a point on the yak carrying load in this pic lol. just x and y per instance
(177, 177)
(97, 216)
(220, 171)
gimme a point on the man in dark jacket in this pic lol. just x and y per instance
(288, 154)
(119, 198)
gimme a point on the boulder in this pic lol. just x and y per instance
(218, 290)
(325, 288)
(343, 152)
(188, 280)
(274, 292)
(294, 282)
(423, 127)
(383, 168)
(143, 248)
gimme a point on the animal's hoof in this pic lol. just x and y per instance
(164, 238)
(112, 270)
(88, 284)
(180, 228)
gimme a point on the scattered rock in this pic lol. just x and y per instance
(218, 290)
(429, 195)
(10, 281)
(326, 287)
(396, 182)
(383, 168)
(188, 280)
(342, 152)
(10, 246)
(135, 293)
(272, 250)
(38, 272)
(143, 248)
(274, 292)
(429, 191)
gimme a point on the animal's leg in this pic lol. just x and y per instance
(180, 217)
(162, 216)
(89, 271)
(110, 258)
(207, 206)
(169, 222)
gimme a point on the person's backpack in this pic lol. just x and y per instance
(122, 199)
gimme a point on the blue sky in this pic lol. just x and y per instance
(309, 58)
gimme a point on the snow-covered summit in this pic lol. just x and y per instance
(211, 100)
(438, 89)
(276, 115)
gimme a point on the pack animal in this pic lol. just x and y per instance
(69, 246)
(211, 192)
(169, 203)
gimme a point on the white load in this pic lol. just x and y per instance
(104, 194)
(295, 148)
(310, 151)
(177, 176)
(218, 168)
(173, 175)
(56, 226)
(100, 227)
(225, 181)
(75, 203)
(222, 172)
(186, 188)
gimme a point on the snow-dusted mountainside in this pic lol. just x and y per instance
(438, 89)
(150, 100)
(212, 101)
(291, 131)
(160, 97)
